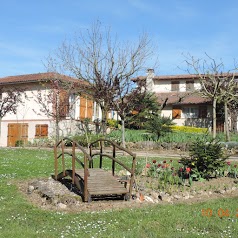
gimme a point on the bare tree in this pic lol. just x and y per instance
(126, 100)
(218, 86)
(10, 98)
(54, 100)
(104, 62)
(229, 96)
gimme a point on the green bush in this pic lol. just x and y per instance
(84, 140)
(189, 129)
(19, 143)
(206, 159)
(112, 123)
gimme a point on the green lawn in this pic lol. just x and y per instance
(19, 218)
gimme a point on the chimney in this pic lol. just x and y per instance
(150, 72)
(149, 79)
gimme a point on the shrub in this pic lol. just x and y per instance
(189, 129)
(158, 125)
(84, 140)
(206, 159)
(112, 123)
(19, 143)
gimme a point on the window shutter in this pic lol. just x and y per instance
(41, 130)
(174, 85)
(82, 107)
(176, 113)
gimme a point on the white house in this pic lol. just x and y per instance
(177, 97)
(29, 123)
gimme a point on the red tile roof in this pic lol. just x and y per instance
(179, 77)
(37, 78)
(181, 98)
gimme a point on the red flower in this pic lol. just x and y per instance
(235, 165)
(228, 163)
(154, 161)
(179, 161)
(163, 167)
(164, 161)
(180, 169)
(147, 165)
(188, 169)
(159, 165)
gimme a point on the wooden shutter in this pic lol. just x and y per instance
(82, 107)
(190, 85)
(41, 130)
(89, 109)
(64, 104)
(176, 113)
(174, 85)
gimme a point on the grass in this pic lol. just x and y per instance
(19, 218)
(175, 136)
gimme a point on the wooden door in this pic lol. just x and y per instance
(17, 134)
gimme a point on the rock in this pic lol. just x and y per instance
(61, 206)
(177, 196)
(30, 189)
(155, 195)
(148, 199)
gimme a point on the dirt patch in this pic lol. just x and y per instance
(49, 194)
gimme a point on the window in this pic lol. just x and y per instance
(190, 85)
(72, 99)
(176, 113)
(174, 85)
(41, 130)
(64, 104)
(190, 112)
(203, 112)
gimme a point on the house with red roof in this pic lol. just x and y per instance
(31, 122)
(179, 99)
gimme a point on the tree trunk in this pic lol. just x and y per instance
(57, 130)
(123, 132)
(104, 120)
(227, 134)
(0, 126)
(234, 115)
(214, 118)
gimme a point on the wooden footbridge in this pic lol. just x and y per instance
(94, 181)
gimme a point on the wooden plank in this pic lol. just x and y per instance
(101, 182)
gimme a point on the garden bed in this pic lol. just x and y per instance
(49, 194)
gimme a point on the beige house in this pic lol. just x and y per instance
(178, 101)
(30, 123)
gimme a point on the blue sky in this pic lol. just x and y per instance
(30, 29)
